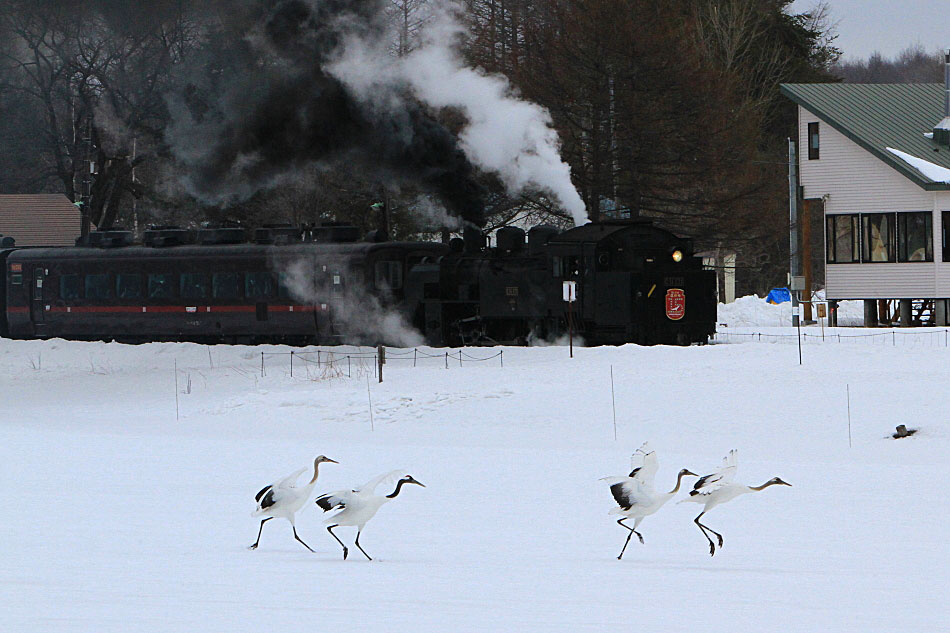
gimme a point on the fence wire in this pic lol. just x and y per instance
(893, 338)
(348, 361)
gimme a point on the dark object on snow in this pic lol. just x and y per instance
(903, 431)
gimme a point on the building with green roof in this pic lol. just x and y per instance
(877, 156)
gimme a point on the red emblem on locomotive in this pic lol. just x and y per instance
(675, 304)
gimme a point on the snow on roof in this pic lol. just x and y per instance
(935, 173)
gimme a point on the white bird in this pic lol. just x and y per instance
(360, 505)
(283, 498)
(717, 488)
(634, 493)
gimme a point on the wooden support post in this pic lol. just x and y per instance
(806, 259)
(381, 359)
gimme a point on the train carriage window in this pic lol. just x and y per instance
(572, 267)
(283, 286)
(98, 286)
(194, 286)
(69, 287)
(161, 286)
(337, 279)
(259, 285)
(388, 275)
(226, 285)
(128, 286)
(556, 260)
(16, 280)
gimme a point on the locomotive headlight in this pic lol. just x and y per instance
(677, 255)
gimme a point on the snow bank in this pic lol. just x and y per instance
(754, 311)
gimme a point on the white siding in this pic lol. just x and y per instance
(852, 180)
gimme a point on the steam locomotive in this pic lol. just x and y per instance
(629, 281)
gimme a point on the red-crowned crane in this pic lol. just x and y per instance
(634, 493)
(283, 498)
(717, 488)
(360, 505)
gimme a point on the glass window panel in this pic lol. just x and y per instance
(283, 285)
(161, 286)
(813, 141)
(915, 237)
(388, 275)
(226, 285)
(259, 285)
(194, 286)
(98, 286)
(128, 286)
(69, 287)
(878, 237)
(844, 239)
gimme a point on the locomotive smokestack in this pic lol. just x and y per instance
(474, 240)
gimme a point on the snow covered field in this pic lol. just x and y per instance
(119, 517)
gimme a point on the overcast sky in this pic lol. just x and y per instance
(886, 26)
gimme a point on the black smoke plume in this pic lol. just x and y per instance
(259, 107)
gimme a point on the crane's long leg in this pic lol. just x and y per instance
(361, 549)
(703, 529)
(632, 529)
(301, 542)
(629, 534)
(258, 541)
(345, 550)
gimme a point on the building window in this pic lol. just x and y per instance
(842, 239)
(945, 216)
(878, 238)
(813, 141)
(915, 237)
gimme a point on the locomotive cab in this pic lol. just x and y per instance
(635, 283)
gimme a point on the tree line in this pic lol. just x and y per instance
(669, 111)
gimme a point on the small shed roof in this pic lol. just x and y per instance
(41, 219)
(879, 116)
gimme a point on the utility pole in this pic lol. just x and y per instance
(806, 260)
(793, 227)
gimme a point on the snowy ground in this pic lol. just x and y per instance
(119, 517)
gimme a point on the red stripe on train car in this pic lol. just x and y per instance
(166, 309)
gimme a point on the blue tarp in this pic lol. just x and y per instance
(779, 295)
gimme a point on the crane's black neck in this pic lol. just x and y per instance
(396, 491)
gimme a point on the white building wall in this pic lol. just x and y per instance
(852, 180)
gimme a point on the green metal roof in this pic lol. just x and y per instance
(878, 116)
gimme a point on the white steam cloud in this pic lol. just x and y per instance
(504, 135)
(358, 313)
